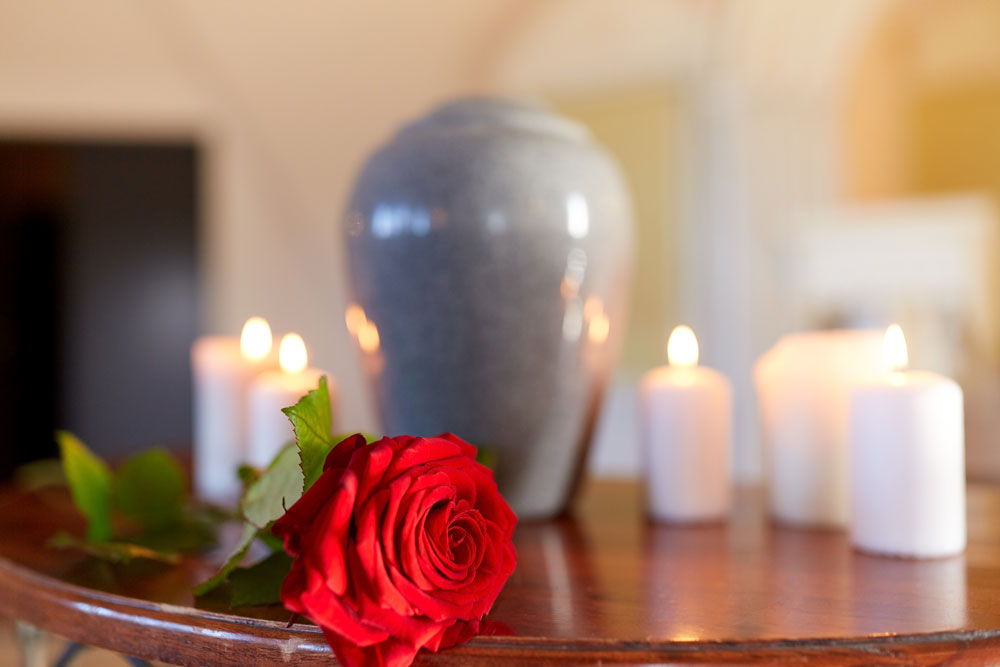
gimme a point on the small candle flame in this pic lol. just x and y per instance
(894, 349)
(292, 354)
(255, 340)
(682, 347)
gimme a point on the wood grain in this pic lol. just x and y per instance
(601, 585)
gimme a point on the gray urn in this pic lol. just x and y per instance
(489, 246)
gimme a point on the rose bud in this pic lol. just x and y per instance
(399, 545)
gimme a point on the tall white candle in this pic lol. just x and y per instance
(907, 461)
(803, 388)
(685, 414)
(222, 369)
(268, 428)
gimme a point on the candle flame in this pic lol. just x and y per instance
(894, 348)
(682, 347)
(292, 354)
(255, 340)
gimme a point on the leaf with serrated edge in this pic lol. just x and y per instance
(261, 582)
(275, 491)
(90, 484)
(312, 423)
(238, 553)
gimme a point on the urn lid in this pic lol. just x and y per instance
(490, 115)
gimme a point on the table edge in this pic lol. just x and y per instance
(158, 631)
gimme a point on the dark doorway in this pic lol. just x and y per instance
(98, 295)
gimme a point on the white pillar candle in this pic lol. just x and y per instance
(685, 415)
(268, 428)
(803, 388)
(907, 461)
(222, 369)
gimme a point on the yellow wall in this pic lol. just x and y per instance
(876, 145)
(640, 129)
(922, 109)
(956, 140)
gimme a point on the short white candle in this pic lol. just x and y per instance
(907, 461)
(222, 369)
(268, 428)
(803, 388)
(685, 415)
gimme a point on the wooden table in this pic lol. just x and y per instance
(601, 585)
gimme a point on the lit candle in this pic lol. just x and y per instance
(803, 388)
(907, 461)
(686, 417)
(268, 428)
(222, 369)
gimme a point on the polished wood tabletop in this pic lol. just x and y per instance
(601, 585)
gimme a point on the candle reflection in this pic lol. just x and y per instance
(572, 321)
(600, 326)
(552, 557)
(807, 599)
(366, 333)
(907, 595)
(368, 337)
(354, 317)
(689, 568)
(577, 215)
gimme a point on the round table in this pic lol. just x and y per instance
(600, 585)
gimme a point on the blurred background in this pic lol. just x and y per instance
(168, 169)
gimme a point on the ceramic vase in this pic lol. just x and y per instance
(489, 249)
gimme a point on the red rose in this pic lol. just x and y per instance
(400, 545)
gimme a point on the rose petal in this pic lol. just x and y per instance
(421, 451)
(326, 544)
(412, 527)
(370, 463)
(330, 611)
(369, 548)
(300, 517)
(415, 630)
(398, 490)
(467, 449)
(391, 653)
(342, 452)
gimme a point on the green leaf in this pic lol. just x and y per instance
(312, 423)
(276, 490)
(260, 583)
(273, 542)
(234, 558)
(149, 488)
(187, 534)
(247, 474)
(115, 552)
(40, 474)
(89, 484)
